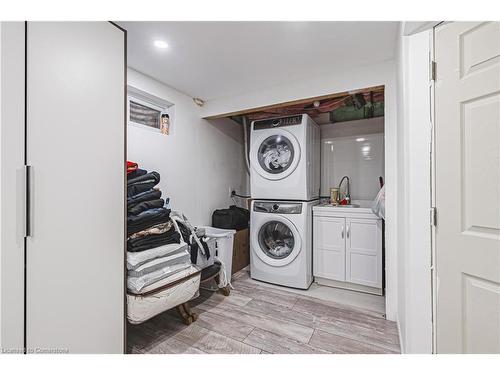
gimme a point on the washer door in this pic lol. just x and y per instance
(275, 154)
(279, 241)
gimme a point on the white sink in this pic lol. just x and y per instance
(354, 205)
(357, 208)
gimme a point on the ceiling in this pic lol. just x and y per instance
(213, 60)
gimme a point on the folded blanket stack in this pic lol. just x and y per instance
(155, 254)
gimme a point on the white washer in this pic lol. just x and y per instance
(281, 242)
(285, 158)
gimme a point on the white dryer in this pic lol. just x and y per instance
(281, 242)
(285, 158)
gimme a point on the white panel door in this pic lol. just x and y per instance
(329, 248)
(364, 252)
(76, 147)
(467, 180)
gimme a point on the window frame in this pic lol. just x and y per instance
(151, 101)
(131, 98)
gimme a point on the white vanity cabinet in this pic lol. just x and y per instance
(347, 248)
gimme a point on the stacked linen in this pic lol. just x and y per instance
(156, 256)
(150, 231)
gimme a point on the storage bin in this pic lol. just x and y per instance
(224, 252)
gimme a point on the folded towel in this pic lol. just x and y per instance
(147, 219)
(148, 195)
(153, 240)
(142, 183)
(170, 279)
(137, 284)
(135, 173)
(181, 257)
(143, 206)
(146, 178)
(155, 229)
(136, 259)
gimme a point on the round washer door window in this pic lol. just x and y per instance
(275, 154)
(276, 240)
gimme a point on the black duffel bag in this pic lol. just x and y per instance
(231, 218)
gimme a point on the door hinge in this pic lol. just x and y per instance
(433, 216)
(433, 70)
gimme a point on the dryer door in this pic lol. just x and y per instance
(279, 241)
(274, 154)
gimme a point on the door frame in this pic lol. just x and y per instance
(125, 148)
(432, 104)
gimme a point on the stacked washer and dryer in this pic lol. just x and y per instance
(285, 184)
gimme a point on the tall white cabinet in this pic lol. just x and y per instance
(347, 248)
(70, 187)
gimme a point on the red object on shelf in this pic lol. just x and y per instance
(131, 166)
(343, 202)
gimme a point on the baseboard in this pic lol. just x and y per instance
(349, 286)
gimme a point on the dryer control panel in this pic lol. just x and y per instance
(277, 122)
(278, 207)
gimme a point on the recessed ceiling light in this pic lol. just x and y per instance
(360, 139)
(161, 44)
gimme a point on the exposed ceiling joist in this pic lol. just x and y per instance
(324, 103)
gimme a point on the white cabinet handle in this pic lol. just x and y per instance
(342, 232)
(348, 231)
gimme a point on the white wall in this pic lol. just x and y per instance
(198, 162)
(414, 246)
(373, 75)
(354, 149)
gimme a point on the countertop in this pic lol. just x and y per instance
(364, 208)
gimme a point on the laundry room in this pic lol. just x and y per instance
(251, 215)
(262, 182)
(293, 187)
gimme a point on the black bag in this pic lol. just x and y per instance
(231, 218)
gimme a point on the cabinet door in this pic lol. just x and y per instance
(364, 252)
(76, 146)
(329, 248)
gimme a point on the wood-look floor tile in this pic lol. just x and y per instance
(277, 344)
(235, 297)
(224, 325)
(254, 318)
(272, 297)
(385, 341)
(212, 342)
(342, 345)
(281, 312)
(327, 312)
(173, 346)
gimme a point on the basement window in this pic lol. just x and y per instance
(149, 112)
(143, 114)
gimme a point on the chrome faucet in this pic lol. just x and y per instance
(347, 195)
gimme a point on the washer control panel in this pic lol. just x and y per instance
(278, 207)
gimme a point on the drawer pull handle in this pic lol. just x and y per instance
(342, 232)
